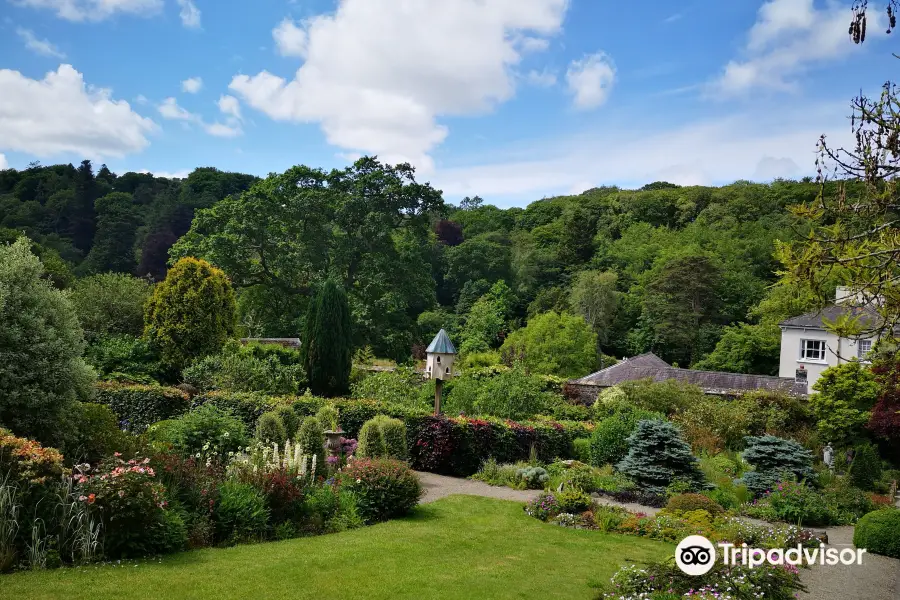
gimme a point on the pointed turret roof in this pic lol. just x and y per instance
(441, 344)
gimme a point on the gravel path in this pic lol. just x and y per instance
(878, 578)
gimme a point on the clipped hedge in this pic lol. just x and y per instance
(454, 446)
(139, 406)
(877, 532)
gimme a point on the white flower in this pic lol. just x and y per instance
(359, 481)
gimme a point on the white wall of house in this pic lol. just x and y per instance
(815, 349)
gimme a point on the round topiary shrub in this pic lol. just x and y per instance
(270, 429)
(290, 420)
(865, 469)
(383, 488)
(877, 532)
(686, 502)
(311, 439)
(371, 442)
(328, 417)
(393, 432)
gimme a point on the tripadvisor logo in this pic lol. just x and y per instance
(696, 555)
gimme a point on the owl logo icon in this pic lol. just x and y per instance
(695, 555)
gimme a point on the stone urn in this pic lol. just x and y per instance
(333, 442)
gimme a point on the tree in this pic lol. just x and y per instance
(41, 370)
(113, 248)
(327, 345)
(775, 459)
(553, 344)
(594, 297)
(843, 405)
(111, 304)
(856, 216)
(681, 299)
(658, 456)
(191, 314)
(746, 348)
(885, 420)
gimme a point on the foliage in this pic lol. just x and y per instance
(688, 502)
(382, 437)
(843, 404)
(240, 513)
(267, 368)
(877, 532)
(328, 416)
(400, 386)
(509, 393)
(289, 419)
(124, 358)
(553, 344)
(94, 433)
(41, 344)
(486, 322)
(139, 406)
(594, 297)
(111, 304)
(793, 502)
(311, 439)
(885, 421)
(384, 488)
(573, 501)
(772, 457)
(745, 348)
(658, 455)
(191, 314)
(327, 342)
(534, 478)
(865, 469)
(26, 461)
(609, 442)
(543, 507)
(202, 430)
(270, 429)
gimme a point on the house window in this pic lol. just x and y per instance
(863, 347)
(812, 350)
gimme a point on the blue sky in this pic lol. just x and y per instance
(512, 100)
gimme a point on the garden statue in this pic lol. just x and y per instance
(829, 456)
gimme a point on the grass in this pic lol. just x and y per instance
(458, 547)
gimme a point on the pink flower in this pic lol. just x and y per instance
(121, 493)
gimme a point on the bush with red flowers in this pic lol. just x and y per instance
(384, 488)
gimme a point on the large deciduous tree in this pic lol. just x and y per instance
(553, 344)
(367, 225)
(41, 370)
(594, 296)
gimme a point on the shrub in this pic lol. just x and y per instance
(270, 429)
(111, 304)
(131, 505)
(400, 386)
(139, 406)
(327, 342)
(609, 442)
(877, 532)
(204, 429)
(581, 448)
(382, 436)
(311, 439)
(124, 358)
(687, 502)
(554, 344)
(41, 344)
(289, 419)
(505, 393)
(94, 434)
(773, 457)
(792, 502)
(266, 368)
(328, 416)
(383, 488)
(865, 469)
(664, 397)
(191, 314)
(657, 456)
(534, 478)
(543, 507)
(371, 442)
(573, 501)
(26, 461)
(843, 404)
(240, 514)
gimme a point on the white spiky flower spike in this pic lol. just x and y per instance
(312, 473)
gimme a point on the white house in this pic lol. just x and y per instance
(807, 348)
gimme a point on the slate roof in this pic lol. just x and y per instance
(816, 319)
(650, 366)
(441, 344)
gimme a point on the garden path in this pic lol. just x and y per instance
(877, 578)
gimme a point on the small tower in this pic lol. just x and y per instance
(439, 357)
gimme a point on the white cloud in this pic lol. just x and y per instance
(192, 85)
(190, 14)
(590, 80)
(3, 163)
(141, 99)
(168, 174)
(95, 10)
(229, 105)
(377, 88)
(707, 152)
(170, 109)
(61, 114)
(789, 37)
(290, 39)
(545, 78)
(39, 46)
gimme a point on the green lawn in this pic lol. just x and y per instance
(458, 547)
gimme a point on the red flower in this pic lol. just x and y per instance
(91, 498)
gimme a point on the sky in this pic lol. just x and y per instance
(511, 100)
